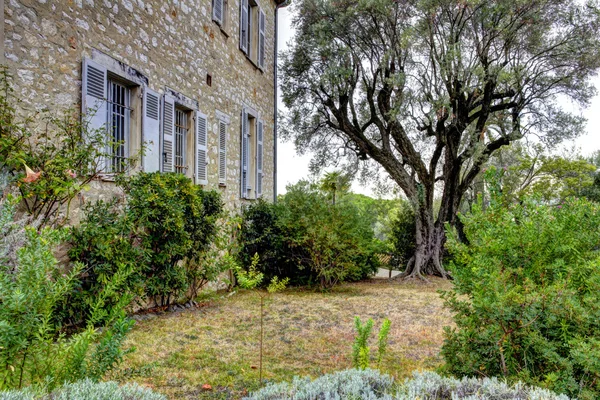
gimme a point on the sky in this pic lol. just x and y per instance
(291, 167)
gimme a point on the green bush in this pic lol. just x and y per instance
(526, 296)
(308, 239)
(34, 346)
(107, 243)
(165, 221)
(372, 385)
(176, 220)
(402, 237)
(87, 390)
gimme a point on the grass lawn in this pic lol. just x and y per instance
(306, 333)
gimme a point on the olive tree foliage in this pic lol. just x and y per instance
(428, 90)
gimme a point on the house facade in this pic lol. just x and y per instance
(191, 82)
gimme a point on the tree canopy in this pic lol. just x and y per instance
(428, 90)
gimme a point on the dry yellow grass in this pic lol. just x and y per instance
(306, 333)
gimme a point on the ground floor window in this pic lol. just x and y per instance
(119, 112)
(181, 131)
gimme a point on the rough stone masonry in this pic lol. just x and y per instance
(172, 46)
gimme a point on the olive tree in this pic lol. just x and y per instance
(428, 90)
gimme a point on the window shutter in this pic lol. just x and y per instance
(259, 158)
(261, 39)
(201, 149)
(245, 181)
(94, 105)
(151, 131)
(244, 26)
(222, 153)
(218, 11)
(168, 138)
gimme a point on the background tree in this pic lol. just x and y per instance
(335, 183)
(428, 90)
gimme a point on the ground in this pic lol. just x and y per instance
(307, 333)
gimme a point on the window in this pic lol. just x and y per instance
(251, 182)
(119, 113)
(181, 132)
(252, 31)
(220, 14)
(111, 99)
(184, 138)
(222, 152)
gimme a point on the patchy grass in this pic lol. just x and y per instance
(306, 333)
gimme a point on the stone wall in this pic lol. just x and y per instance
(174, 43)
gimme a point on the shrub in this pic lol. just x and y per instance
(107, 243)
(428, 385)
(402, 237)
(349, 384)
(370, 384)
(86, 390)
(175, 220)
(306, 238)
(34, 348)
(165, 221)
(527, 296)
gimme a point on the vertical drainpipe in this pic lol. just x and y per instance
(277, 7)
(2, 61)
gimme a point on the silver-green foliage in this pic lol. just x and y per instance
(87, 390)
(365, 384)
(429, 385)
(371, 385)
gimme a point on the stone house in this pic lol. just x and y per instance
(190, 81)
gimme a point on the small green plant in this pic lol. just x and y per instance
(382, 340)
(361, 352)
(251, 278)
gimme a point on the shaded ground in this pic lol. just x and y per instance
(306, 333)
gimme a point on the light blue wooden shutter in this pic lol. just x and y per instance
(244, 25)
(201, 149)
(222, 153)
(218, 11)
(259, 158)
(168, 136)
(245, 170)
(94, 105)
(261, 39)
(151, 131)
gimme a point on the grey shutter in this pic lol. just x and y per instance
(261, 39)
(93, 105)
(201, 149)
(244, 25)
(151, 131)
(245, 170)
(222, 153)
(168, 136)
(218, 11)
(259, 158)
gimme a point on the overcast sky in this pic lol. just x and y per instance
(291, 167)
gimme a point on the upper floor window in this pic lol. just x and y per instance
(251, 182)
(220, 13)
(252, 32)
